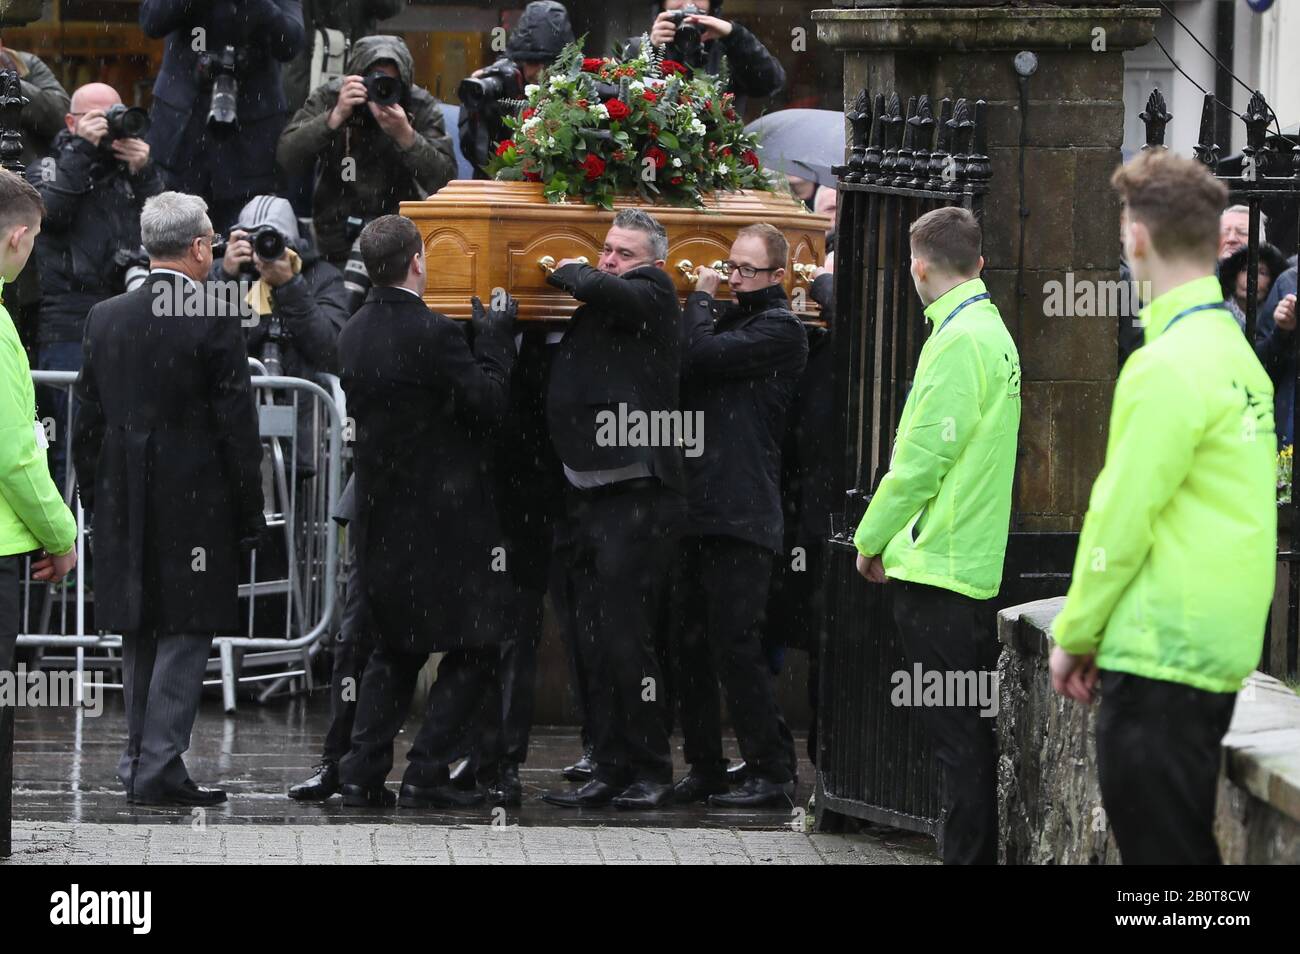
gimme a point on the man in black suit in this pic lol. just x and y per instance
(741, 366)
(429, 543)
(168, 459)
(614, 384)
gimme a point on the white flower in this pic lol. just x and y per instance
(530, 89)
(550, 142)
(636, 87)
(532, 123)
(697, 127)
(677, 163)
(601, 110)
(557, 82)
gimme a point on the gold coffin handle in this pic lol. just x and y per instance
(805, 271)
(547, 262)
(691, 271)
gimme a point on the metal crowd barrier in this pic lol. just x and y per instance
(289, 610)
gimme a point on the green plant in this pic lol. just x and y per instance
(596, 127)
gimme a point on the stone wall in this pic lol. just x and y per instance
(1049, 803)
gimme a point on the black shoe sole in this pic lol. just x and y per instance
(315, 795)
(773, 802)
(576, 776)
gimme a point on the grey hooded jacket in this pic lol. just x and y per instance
(380, 174)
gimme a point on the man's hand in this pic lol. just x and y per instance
(568, 261)
(92, 127)
(351, 95)
(1284, 314)
(829, 264)
(392, 120)
(238, 251)
(872, 568)
(499, 321)
(664, 28)
(276, 271)
(711, 28)
(52, 569)
(822, 270)
(707, 280)
(1074, 677)
(134, 152)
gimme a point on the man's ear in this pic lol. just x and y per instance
(660, 262)
(778, 276)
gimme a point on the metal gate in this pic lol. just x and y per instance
(1266, 174)
(874, 761)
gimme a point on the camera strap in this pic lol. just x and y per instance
(329, 56)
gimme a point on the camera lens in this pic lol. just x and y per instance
(127, 122)
(269, 244)
(383, 90)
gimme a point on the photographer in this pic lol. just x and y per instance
(542, 32)
(94, 184)
(305, 302)
(693, 34)
(218, 109)
(379, 140)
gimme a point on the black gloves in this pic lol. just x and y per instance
(495, 322)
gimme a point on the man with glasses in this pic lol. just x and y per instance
(741, 365)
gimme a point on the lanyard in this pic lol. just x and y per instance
(1211, 306)
(968, 301)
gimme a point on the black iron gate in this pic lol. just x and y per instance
(874, 761)
(1264, 177)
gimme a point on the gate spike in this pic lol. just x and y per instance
(1206, 149)
(943, 139)
(1155, 117)
(875, 154)
(1255, 154)
(12, 102)
(962, 128)
(891, 124)
(923, 125)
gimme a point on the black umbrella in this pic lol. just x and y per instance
(801, 142)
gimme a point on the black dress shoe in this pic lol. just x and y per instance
(641, 796)
(507, 789)
(581, 770)
(438, 796)
(367, 796)
(697, 787)
(323, 784)
(736, 774)
(188, 794)
(594, 794)
(757, 793)
(463, 776)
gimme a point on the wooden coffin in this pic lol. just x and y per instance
(482, 235)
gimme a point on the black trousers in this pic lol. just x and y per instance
(356, 641)
(796, 613)
(10, 567)
(1158, 757)
(505, 737)
(722, 588)
(947, 632)
(620, 539)
(460, 703)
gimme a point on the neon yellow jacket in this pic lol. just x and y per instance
(941, 514)
(1175, 568)
(32, 512)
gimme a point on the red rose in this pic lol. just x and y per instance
(726, 150)
(594, 166)
(504, 146)
(730, 113)
(669, 67)
(617, 109)
(650, 96)
(528, 113)
(675, 180)
(750, 158)
(592, 64)
(658, 155)
(583, 103)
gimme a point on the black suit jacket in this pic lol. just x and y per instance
(168, 457)
(425, 404)
(623, 346)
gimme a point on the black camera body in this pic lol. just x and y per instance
(384, 90)
(688, 38)
(126, 122)
(501, 80)
(219, 70)
(269, 244)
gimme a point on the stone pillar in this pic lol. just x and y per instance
(1073, 128)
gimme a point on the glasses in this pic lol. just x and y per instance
(746, 271)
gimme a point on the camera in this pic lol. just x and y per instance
(126, 122)
(219, 70)
(382, 89)
(268, 243)
(687, 39)
(499, 81)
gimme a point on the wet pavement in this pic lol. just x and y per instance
(68, 806)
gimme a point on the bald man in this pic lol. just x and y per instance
(94, 185)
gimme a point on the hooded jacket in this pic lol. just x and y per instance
(1176, 562)
(380, 174)
(542, 32)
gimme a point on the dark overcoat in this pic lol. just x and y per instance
(425, 402)
(168, 461)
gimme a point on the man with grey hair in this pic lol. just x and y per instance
(619, 359)
(169, 470)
